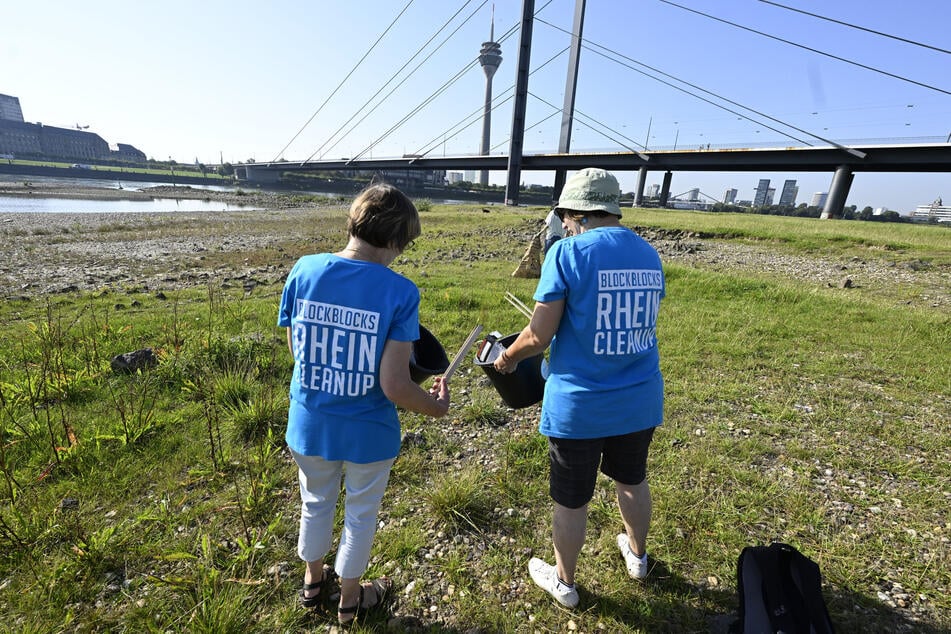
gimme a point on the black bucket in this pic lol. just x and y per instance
(427, 358)
(521, 388)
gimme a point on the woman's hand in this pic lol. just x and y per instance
(504, 364)
(440, 392)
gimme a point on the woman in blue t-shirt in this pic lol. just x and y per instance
(596, 305)
(351, 322)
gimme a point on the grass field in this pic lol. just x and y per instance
(165, 501)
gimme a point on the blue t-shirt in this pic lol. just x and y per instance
(341, 312)
(604, 375)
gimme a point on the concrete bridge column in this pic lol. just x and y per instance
(665, 189)
(256, 175)
(838, 192)
(521, 98)
(639, 191)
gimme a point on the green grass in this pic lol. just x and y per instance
(182, 170)
(887, 241)
(165, 500)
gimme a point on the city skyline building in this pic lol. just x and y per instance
(10, 109)
(490, 57)
(730, 196)
(788, 196)
(762, 190)
(819, 199)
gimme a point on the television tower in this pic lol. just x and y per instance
(490, 56)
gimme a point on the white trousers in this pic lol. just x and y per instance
(319, 490)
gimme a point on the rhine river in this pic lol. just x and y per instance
(60, 204)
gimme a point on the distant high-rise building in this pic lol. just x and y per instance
(10, 109)
(762, 190)
(490, 56)
(694, 194)
(819, 200)
(788, 196)
(770, 195)
(470, 176)
(653, 191)
(730, 196)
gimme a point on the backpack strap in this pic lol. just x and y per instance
(805, 574)
(782, 598)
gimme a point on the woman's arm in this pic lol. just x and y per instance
(535, 337)
(400, 388)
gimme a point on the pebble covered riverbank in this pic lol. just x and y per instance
(53, 253)
(58, 252)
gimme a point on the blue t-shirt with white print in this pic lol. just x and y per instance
(604, 375)
(341, 312)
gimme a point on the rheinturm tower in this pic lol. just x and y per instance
(490, 56)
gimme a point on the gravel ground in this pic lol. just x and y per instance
(51, 252)
(55, 253)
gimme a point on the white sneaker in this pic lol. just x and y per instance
(546, 577)
(636, 566)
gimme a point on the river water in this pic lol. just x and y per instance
(17, 204)
(39, 204)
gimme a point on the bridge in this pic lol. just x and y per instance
(840, 161)
(841, 165)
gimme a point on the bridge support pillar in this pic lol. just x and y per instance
(838, 192)
(521, 98)
(665, 189)
(639, 191)
(568, 109)
(254, 175)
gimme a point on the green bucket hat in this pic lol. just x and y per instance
(591, 189)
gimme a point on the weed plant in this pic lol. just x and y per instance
(164, 500)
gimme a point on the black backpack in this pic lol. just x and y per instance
(780, 592)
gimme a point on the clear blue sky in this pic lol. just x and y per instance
(238, 79)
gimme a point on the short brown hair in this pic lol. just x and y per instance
(577, 216)
(384, 217)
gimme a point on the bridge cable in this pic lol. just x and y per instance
(590, 127)
(713, 103)
(436, 93)
(588, 45)
(841, 59)
(426, 101)
(857, 153)
(392, 77)
(468, 120)
(352, 70)
(476, 115)
(860, 28)
(534, 125)
(698, 191)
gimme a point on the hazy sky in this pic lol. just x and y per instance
(238, 79)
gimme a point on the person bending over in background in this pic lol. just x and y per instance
(596, 305)
(351, 323)
(554, 230)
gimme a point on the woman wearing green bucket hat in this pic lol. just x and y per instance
(596, 305)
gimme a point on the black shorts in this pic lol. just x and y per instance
(573, 464)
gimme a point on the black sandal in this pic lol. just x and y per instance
(380, 587)
(329, 575)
